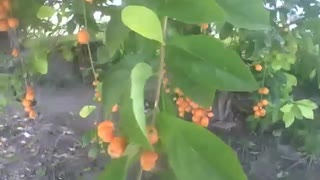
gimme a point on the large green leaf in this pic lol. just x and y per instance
(191, 11)
(143, 21)
(115, 170)
(116, 32)
(128, 124)
(139, 75)
(196, 153)
(200, 64)
(249, 14)
(117, 80)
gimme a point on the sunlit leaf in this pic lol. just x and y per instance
(86, 111)
(143, 21)
(45, 12)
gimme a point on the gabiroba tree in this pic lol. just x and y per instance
(188, 49)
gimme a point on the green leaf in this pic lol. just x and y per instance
(191, 148)
(288, 119)
(201, 64)
(86, 111)
(87, 137)
(67, 54)
(308, 103)
(45, 12)
(129, 125)
(115, 170)
(194, 12)
(291, 79)
(307, 112)
(139, 75)
(117, 80)
(248, 14)
(103, 55)
(40, 62)
(143, 21)
(116, 32)
(296, 112)
(93, 152)
(286, 108)
(167, 104)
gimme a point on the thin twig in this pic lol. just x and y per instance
(88, 45)
(160, 73)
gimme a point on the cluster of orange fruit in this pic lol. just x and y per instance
(28, 101)
(117, 144)
(259, 108)
(200, 115)
(6, 21)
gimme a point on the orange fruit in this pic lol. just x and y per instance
(196, 119)
(106, 130)
(3, 11)
(13, 23)
(6, 5)
(265, 91)
(152, 134)
(257, 114)
(117, 147)
(97, 94)
(30, 96)
(26, 103)
(148, 160)
(15, 52)
(204, 122)
(83, 36)
(255, 108)
(32, 114)
(115, 108)
(210, 114)
(199, 112)
(4, 25)
(264, 102)
(204, 26)
(258, 67)
(262, 112)
(27, 108)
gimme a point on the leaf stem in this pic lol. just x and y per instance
(161, 70)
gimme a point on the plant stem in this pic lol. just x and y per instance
(264, 76)
(161, 70)
(139, 176)
(88, 45)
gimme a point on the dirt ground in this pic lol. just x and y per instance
(50, 147)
